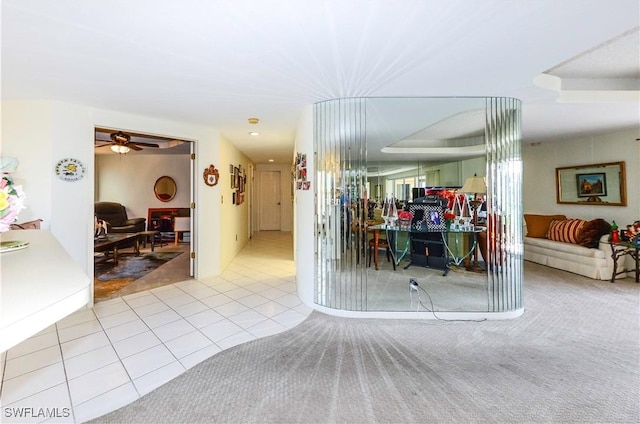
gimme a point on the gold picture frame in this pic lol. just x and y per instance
(598, 184)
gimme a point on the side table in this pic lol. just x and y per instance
(621, 250)
(146, 234)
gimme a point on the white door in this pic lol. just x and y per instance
(270, 200)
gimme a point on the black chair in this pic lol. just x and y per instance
(116, 217)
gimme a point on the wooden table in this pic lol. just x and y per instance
(620, 250)
(450, 256)
(113, 241)
(153, 235)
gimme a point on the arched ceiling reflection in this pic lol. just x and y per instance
(425, 130)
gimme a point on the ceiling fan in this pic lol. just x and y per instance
(121, 143)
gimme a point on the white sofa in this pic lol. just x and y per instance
(590, 262)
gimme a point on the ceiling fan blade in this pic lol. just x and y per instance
(133, 147)
(138, 143)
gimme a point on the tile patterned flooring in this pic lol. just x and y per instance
(97, 360)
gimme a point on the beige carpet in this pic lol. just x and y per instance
(572, 358)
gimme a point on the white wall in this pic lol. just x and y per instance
(303, 224)
(129, 180)
(30, 144)
(234, 231)
(471, 167)
(540, 163)
(40, 133)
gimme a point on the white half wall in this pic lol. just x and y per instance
(304, 210)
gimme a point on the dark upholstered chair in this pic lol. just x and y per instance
(116, 217)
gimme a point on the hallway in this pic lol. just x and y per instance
(97, 360)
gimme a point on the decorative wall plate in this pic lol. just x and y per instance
(70, 169)
(211, 176)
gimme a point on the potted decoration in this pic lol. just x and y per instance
(632, 233)
(11, 195)
(449, 216)
(405, 218)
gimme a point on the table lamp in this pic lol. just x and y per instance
(475, 185)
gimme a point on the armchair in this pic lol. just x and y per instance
(116, 217)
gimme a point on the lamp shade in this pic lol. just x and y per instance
(181, 223)
(474, 185)
(118, 148)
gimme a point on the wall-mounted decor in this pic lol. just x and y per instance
(235, 176)
(211, 176)
(70, 169)
(300, 172)
(594, 184)
(241, 181)
(165, 189)
(238, 183)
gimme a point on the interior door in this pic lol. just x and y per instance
(192, 229)
(270, 201)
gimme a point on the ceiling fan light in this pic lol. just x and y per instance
(120, 149)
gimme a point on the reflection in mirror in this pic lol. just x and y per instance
(411, 148)
(165, 189)
(596, 184)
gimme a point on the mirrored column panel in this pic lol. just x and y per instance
(396, 203)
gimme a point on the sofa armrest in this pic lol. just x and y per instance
(140, 224)
(135, 221)
(123, 229)
(605, 246)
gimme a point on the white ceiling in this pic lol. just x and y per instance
(218, 63)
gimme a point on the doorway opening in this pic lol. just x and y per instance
(150, 236)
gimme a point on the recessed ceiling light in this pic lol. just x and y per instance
(254, 133)
(270, 160)
(253, 121)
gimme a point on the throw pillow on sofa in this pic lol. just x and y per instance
(538, 225)
(566, 231)
(592, 231)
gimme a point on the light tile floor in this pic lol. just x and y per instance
(97, 360)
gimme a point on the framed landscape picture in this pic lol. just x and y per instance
(593, 184)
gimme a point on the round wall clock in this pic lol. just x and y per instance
(70, 169)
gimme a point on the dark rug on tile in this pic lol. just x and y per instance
(132, 267)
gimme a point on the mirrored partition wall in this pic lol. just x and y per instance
(418, 155)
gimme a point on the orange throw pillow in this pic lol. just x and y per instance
(566, 231)
(538, 225)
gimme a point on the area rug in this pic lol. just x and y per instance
(110, 278)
